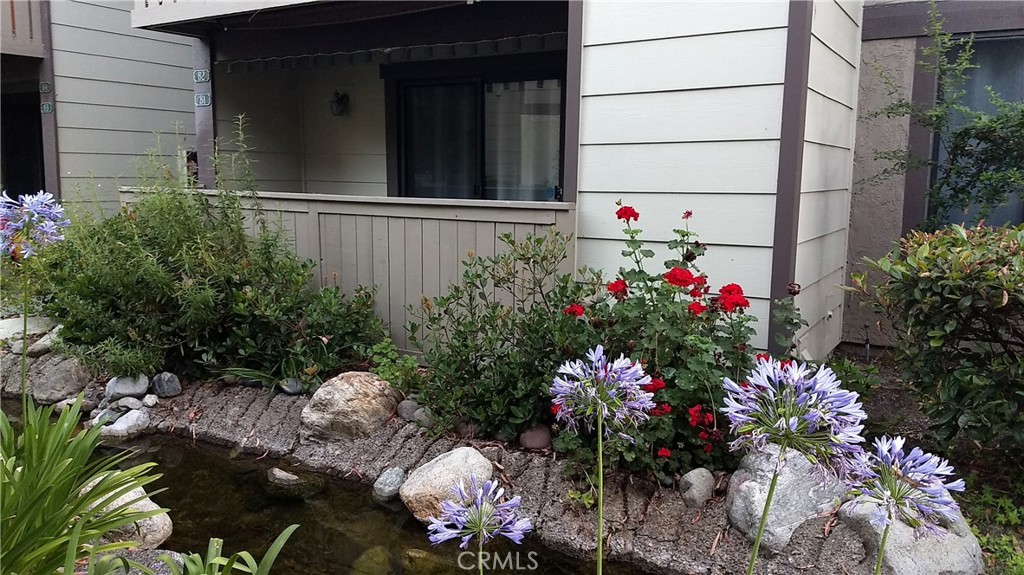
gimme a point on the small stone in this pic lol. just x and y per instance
(423, 562)
(666, 480)
(374, 561)
(150, 400)
(126, 386)
(166, 384)
(466, 429)
(537, 437)
(279, 476)
(105, 416)
(88, 404)
(422, 417)
(407, 409)
(493, 453)
(17, 346)
(103, 404)
(431, 483)
(387, 485)
(291, 386)
(128, 426)
(128, 403)
(44, 345)
(281, 483)
(698, 485)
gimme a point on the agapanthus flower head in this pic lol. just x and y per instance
(30, 223)
(479, 511)
(789, 405)
(611, 390)
(911, 487)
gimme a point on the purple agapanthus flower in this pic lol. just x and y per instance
(907, 486)
(478, 512)
(598, 388)
(786, 404)
(30, 223)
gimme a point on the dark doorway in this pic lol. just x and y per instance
(21, 140)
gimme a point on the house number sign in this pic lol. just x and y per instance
(203, 100)
(45, 88)
(201, 75)
(46, 108)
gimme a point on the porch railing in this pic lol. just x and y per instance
(21, 32)
(148, 13)
(406, 248)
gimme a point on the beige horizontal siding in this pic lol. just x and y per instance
(819, 257)
(607, 22)
(822, 213)
(832, 76)
(826, 167)
(828, 121)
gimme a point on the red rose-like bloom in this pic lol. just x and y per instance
(664, 453)
(731, 289)
(695, 415)
(708, 448)
(655, 385)
(573, 309)
(626, 213)
(618, 288)
(679, 277)
(697, 308)
(732, 302)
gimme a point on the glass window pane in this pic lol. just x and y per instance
(441, 141)
(522, 128)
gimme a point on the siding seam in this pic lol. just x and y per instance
(106, 56)
(830, 98)
(701, 35)
(833, 50)
(139, 37)
(695, 89)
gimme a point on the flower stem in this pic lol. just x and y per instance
(24, 346)
(600, 494)
(764, 514)
(480, 554)
(881, 547)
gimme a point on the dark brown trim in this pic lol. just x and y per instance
(51, 157)
(919, 143)
(206, 125)
(573, 94)
(910, 19)
(791, 155)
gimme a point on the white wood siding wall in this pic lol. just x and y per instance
(681, 110)
(115, 88)
(298, 146)
(827, 171)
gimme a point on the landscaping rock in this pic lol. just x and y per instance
(281, 483)
(104, 417)
(432, 482)
(149, 400)
(537, 437)
(422, 562)
(466, 429)
(956, 553)
(11, 328)
(148, 533)
(150, 559)
(353, 404)
(129, 425)
(798, 496)
(421, 417)
(44, 345)
(87, 405)
(407, 409)
(126, 386)
(128, 403)
(697, 486)
(374, 561)
(17, 346)
(291, 386)
(51, 378)
(387, 485)
(166, 384)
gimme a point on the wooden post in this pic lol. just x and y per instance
(206, 127)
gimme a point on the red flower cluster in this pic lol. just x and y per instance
(731, 298)
(619, 289)
(626, 213)
(661, 409)
(574, 310)
(699, 417)
(697, 308)
(655, 386)
(703, 419)
(765, 357)
(680, 277)
(664, 453)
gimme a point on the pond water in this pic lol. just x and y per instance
(343, 531)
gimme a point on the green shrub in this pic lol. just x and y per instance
(401, 371)
(956, 300)
(186, 282)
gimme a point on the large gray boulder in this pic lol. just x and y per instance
(955, 553)
(130, 425)
(11, 328)
(126, 386)
(148, 533)
(166, 384)
(353, 404)
(799, 496)
(431, 483)
(51, 378)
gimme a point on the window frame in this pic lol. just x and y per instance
(480, 71)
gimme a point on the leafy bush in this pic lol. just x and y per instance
(45, 506)
(956, 300)
(401, 371)
(182, 281)
(494, 342)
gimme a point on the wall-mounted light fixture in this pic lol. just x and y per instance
(339, 104)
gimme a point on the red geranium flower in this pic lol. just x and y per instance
(655, 385)
(709, 418)
(555, 408)
(695, 415)
(700, 281)
(626, 213)
(696, 293)
(762, 357)
(731, 289)
(731, 302)
(619, 289)
(702, 436)
(708, 448)
(679, 277)
(697, 308)
(664, 453)
(574, 309)
(660, 410)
